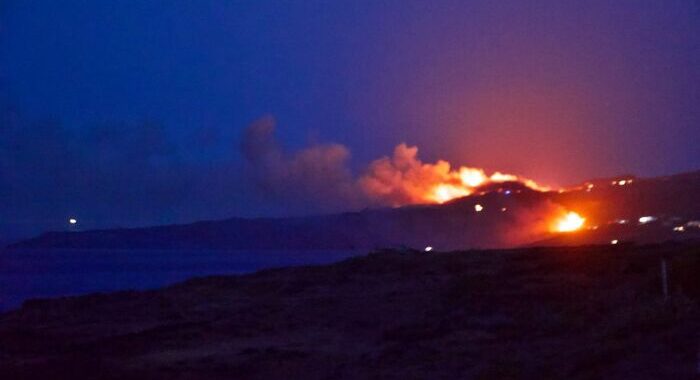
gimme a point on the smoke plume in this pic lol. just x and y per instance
(403, 178)
(319, 173)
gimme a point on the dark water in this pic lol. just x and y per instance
(51, 273)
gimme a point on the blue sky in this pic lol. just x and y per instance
(557, 91)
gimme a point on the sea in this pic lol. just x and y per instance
(27, 274)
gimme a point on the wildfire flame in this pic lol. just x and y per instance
(403, 179)
(569, 222)
(444, 192)
(399, 179)
(463, 182)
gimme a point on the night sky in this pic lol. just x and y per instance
(131, 113)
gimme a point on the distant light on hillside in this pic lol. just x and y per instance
(622, 182)
(647, 219)
(73, 221)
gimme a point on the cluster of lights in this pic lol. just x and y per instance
(622, 182)
(642, 220)
(685, 227)
(646, 219)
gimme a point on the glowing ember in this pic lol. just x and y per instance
(571, 221)
(472, 177)
(613, 242)
(445, 192)
(478, 207)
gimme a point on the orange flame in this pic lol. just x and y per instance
(470, 179)
(462, 182)
(404, 179)
(569, 222)
(444, 192)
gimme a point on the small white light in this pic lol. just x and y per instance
(478, 207)
(73, 221)
(613, 242)
(679, 228)
(428, 249)
(503, 209)
(647, 219)
(507, 192)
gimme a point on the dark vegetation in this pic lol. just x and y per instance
(538, 313)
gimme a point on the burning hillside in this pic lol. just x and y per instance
(407, 202)
(321, 171)
(499, 215)
(404, 179)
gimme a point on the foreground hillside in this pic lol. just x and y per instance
(580, 313)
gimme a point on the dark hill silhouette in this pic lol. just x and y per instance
(567, 312)
(673, 200)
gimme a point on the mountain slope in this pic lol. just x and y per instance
(512, 215)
